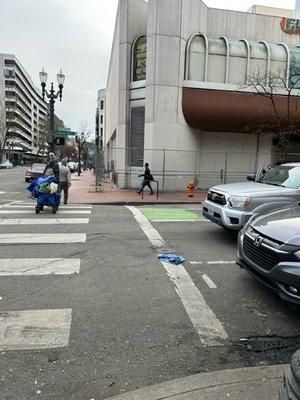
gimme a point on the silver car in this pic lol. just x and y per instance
(232, 205)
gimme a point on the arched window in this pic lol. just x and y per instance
(197, 58)
(279, 63)
(139, 59)
(238, 62)
(259, 60)
(295, 68)
(217, 60)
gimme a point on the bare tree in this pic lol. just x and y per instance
(278, 88)
(7, 127)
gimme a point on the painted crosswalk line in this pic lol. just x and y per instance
(1, 192)
(6, 212)
(34, 329)
(210, 330)
(44, 221)
(210, 283)
(64, 207)
(41, 238)
(39, 266)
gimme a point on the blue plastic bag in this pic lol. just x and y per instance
(171, 258)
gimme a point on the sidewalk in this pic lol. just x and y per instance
(258, 383)
(83, 191)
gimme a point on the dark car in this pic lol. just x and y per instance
(269, 249)
(35, 171)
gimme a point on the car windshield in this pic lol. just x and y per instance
(38, 167)
(285, 176)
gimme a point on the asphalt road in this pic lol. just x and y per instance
(120, 323)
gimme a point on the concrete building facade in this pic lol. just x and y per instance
(23, 110)
(177, 94)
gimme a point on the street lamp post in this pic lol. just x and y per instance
(80, 141)
(52, 96)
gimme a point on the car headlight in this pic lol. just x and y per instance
(297, 254)
(239, 201)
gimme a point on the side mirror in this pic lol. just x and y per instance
(251, 178)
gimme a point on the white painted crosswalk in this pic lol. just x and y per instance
(44, 328)
(13, 211)
(44, 221)
(46, 238)
(39, 266)
(34, 329)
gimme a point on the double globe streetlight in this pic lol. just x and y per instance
(52, 96)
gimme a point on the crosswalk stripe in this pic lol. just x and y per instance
(29, 205)
(34, 329)
(2, 211)
(39, 266)
(32, 206)
(46, 238)
(2, 192)
(44, 221)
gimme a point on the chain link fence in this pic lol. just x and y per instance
(175, 168)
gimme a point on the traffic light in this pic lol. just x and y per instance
(59, 141)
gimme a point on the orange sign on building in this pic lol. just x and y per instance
(290, 25)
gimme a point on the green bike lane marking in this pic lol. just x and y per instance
(171, 215)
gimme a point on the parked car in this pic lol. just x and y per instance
(6, 165)
(269, 249)
(35, 171)
(232, 205)
(72, 166)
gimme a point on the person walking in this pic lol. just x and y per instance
(52, 167)
(64, 179)
(147, 179)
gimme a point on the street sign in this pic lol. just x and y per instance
(59, 133)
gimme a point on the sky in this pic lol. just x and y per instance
(75, 36)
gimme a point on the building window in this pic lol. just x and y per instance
(102, 104)
(197, 59)
(217, 53)
(139, 59)
(101, 133)
(101, 119)
(137, 132)
(238, 61)
(294, 78)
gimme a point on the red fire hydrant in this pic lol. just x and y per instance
(191, 188)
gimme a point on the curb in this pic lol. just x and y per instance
(267, 378)
(136, 203)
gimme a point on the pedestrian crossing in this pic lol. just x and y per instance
(38, 328)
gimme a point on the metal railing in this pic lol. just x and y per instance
(174, 168)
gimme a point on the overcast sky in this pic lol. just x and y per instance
(74, 35)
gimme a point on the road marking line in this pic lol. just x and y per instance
(220, 262)
(34, 329)
(205, 322)
(65, 207)
(46, 238)
(180, 220)
(3, 192)
(208, 281)
(39, 266)
(212, 262)
(46, 211)
(207, 325)
(151, 233)
(44, 221)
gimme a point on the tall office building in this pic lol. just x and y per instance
(22, 108)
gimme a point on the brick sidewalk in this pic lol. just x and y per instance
(83, 191)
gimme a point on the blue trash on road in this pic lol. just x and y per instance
(171, 258)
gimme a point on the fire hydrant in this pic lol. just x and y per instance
(191, 188)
